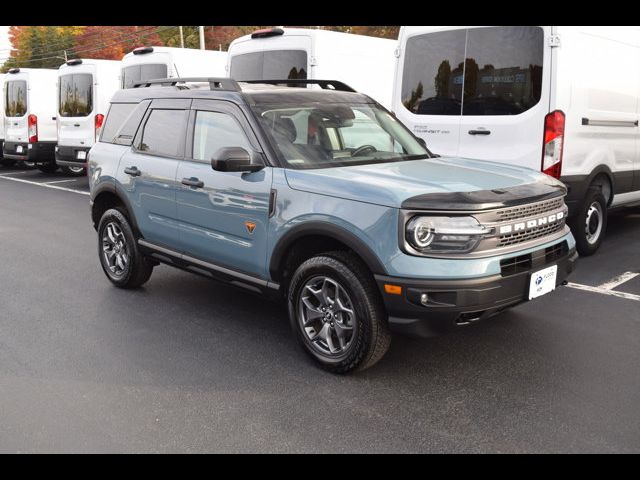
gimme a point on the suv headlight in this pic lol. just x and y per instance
(444, 234)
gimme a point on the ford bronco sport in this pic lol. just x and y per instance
(312, 192)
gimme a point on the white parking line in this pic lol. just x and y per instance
(613, 293)
(45, 185)
(60, 181)
(619, 280)
(11, 173)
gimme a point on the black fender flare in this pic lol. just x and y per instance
(326, 229)
(578, 185)
(119, 192)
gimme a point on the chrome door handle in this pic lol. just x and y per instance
(193, 182)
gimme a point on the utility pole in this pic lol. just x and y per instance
(201, 37)
(181, 37)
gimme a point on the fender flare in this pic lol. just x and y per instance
(119, 192)
(326, 229)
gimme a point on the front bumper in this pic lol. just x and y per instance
(67, 156)
(454, 303)
(38, 152)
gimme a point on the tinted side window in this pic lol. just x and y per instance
(163, 132)
(270, 65)
(15, 98)
(118, 113)
(139, 73)
(75, 95)
(126, 134)
(432, 77)
(503, 74)
(214, 130)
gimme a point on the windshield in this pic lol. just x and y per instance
(337, 135)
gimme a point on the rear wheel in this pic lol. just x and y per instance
(121, 260)
(74, 171)
(47, 167)
(590, 224)
(337, 314)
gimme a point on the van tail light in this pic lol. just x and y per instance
(99, 122)
(33, 128)
(553, 145)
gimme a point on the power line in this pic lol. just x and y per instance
(62, 42)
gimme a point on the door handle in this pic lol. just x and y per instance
(133, 171)
(193, 182)
(76, 124)
(479, 132)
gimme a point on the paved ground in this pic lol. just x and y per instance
(189, 365)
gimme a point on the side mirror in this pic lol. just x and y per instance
(234, 159)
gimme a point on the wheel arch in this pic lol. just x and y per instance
(108, 196)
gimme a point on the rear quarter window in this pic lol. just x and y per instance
(122, 122)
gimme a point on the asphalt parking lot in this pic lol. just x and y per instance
(189, 365)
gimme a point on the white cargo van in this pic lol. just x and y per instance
(85, 88)
(30, 111)
(148, 63)
(2, 75)
(564, 100)
(364, 63)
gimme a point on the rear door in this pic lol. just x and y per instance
(76, 117)
(16, 111)
(507, 75)
(147, 172)
(431, 87)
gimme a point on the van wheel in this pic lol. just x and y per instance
(590, 224)
(47, 167)
(337, 314)
(121, 260)
(74, 171)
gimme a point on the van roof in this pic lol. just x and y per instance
(252, 93)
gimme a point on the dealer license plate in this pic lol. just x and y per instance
(81, 155)
(543, 282)
(19, 149)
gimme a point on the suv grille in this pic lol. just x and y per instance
(529, 210)
(539, 232)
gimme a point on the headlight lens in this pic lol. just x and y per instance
(444, 234)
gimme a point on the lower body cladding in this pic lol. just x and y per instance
(38, 152)
(70, 156)
(425, 308)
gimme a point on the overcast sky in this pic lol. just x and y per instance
(5, 45)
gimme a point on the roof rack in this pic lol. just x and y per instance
(220, 84)
(325, 84)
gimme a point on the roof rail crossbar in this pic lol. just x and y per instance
(223, 84)
(325, 84)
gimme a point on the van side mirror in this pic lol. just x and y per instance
(234, 159)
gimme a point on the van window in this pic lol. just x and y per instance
(15, 98)
(139, 73)
(214, 131)
(163, 131)
(501, 73)
(75, 95)
(118, 113)
(270, 65)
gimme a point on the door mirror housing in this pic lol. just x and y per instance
(234, 159)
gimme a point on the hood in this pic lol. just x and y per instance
(397, 183)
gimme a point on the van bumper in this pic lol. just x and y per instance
(67, 156)
(38, 152)
(455, 303)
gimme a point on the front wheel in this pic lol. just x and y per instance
(74, 171)
(337, 314)
(590, 224)
(121, 260)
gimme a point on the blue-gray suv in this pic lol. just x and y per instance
(309, 191)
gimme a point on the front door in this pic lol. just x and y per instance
(223, 216)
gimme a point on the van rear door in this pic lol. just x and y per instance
(76, 117)
(430, 83)
(16, 111)
(271, 58)
(507, 78)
